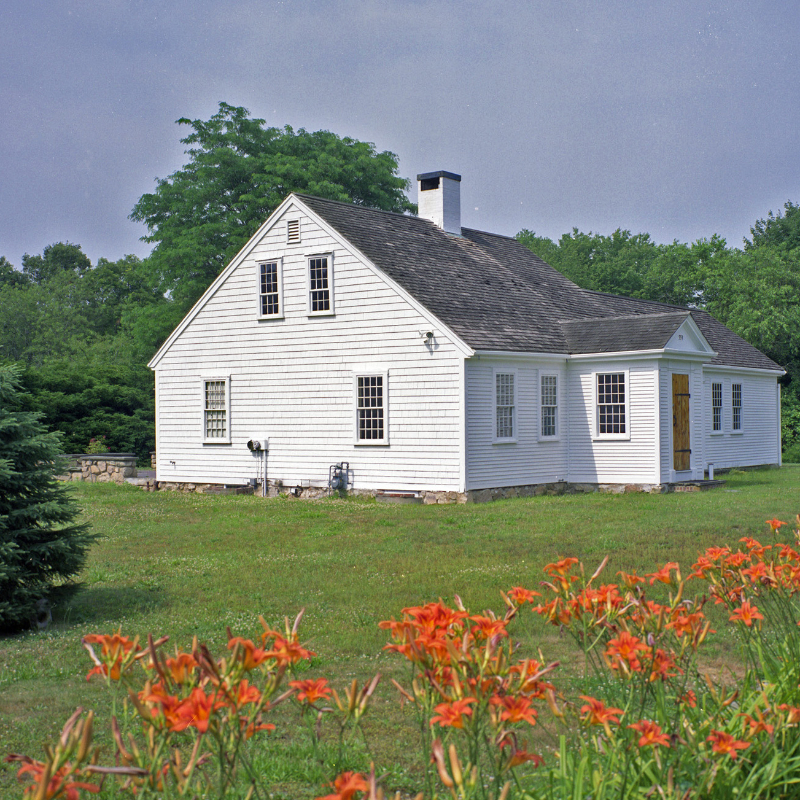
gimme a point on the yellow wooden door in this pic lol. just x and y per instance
(681, 452)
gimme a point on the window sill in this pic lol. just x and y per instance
(717, 433)
(504, 441)
(612, 437)
(371, 443)
(268, 317)
(321, 313)
(216, 441)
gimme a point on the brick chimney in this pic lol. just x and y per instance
(439, 199)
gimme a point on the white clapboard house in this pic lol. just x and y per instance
(433, 358)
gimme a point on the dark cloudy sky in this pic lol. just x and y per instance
(680, 118)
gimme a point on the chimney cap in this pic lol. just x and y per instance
(425, 176)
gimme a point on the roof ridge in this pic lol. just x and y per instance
(304, 196)
(639, 299)
(683, 312)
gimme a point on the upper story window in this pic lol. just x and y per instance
(216, 410)
(269, 289)
(612, 405)
(505, 407)
(371, 409)
(320, 284)
(736, 406)
(716, 407)
(549, 403)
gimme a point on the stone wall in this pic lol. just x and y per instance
(104, 467)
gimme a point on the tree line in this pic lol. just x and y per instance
(83, 333)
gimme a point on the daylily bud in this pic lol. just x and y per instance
(86, 737)
(437, 751)
(455, 766)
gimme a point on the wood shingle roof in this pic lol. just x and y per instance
(497, 295)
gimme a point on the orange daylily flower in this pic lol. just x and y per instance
(661, 665)
(651, 734)
(793, 715)
(690, 698)
(255, 727)
(747, 613)
(346, 786)
(663, 575)
(181, 666)
(724, 743)
(775, 524)
(114, 651)
(244, 694)
(518, 754)
(452, 714)
(630, 579)
(515, 709)
(757, 725)
(287, 651)
(487, 628)
(561, 567)
(57, 786)
(518, 595)
(247, 653)
(311, 690)
(755, 547)
(595, 712)
(170, 706)
(196, 710)
(624, 648)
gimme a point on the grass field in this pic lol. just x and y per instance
(182, 565)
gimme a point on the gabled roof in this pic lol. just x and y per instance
(496, 294)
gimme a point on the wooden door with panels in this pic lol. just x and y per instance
(681, 450)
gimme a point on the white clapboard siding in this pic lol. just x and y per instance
(528, 460)
(292, 379)
(594, 460)
(758, 442)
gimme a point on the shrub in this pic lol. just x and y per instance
(41, 547)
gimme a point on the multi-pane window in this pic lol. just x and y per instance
(371, 407)
(716, 406)
(611, 403)
(736, 406)
(268, 289)
(215, 411)
(549, 404)
(319, 284)
(504, 388)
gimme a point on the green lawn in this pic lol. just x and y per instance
(193, 564)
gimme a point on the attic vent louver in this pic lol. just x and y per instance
(293, 231)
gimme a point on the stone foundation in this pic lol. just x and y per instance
(104, 468)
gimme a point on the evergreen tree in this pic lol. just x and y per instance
(41, 546)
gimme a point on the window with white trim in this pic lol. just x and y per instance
(736, 406)
(716, 407)
(505, 423)
(549, 404)
(612, 405)
(320, 285)
(269, 289)
(216, 410)
(371, 409)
